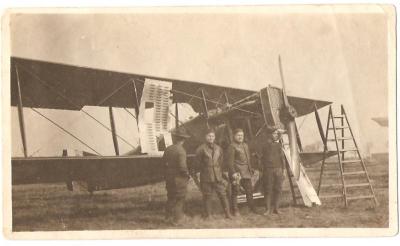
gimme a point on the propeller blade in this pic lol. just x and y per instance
(291, 131)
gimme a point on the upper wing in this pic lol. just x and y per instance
(60, 86)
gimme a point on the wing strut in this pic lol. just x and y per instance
(21, 115)
(113, 130)
(176, 116)
(137, 103)
(72, 103)
(203, 96)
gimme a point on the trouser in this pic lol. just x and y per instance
(207, 189)
(272, 184)
(176, 193)
(248, 188)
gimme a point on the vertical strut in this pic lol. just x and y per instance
(176, 116)
(113, 130)
(226, 98)
(205, 107)
(137, 104)
(21, 115)
(325, 149)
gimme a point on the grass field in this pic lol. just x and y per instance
(53, 207)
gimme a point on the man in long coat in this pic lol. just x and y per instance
(176, 176)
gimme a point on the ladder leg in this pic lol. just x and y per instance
(340, 161)
(361, 159)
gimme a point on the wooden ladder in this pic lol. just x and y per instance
(349, 185)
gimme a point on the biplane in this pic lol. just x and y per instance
(39, 84)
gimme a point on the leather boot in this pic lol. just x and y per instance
(250, 202)
(178, 211)
(267, 200)
(233, 200)
(207, 206)
(225, 206)
(276, 203)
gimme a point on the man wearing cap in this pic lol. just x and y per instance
(209, 160)
(273, 163)
(240, 170)
(176, 176)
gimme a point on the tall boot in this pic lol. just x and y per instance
(250, 201)
(178, 210)
(267, 201)
(207, 206)
(225, 205)
(276, 201)
(169, 209)
(234, 204)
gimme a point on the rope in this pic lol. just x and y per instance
(74, 105)
(130, 113)
(60, 127)
(113, 93)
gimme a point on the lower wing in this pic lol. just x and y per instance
(99, 172)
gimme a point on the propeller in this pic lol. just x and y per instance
(290, 128)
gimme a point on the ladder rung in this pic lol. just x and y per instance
(331, 196)
(332, 163)
(354, 173)
(327, 172)
(340, 138)
(338, 127)
(331, 185)
(339, 116)
(351, 161)
(356, 185)
(360, 197)
(347, 150)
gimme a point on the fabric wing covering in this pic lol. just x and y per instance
(61, 86)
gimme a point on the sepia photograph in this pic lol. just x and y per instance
(193, 122)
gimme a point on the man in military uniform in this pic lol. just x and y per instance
(238, 160)
(176, 176)
(273, 162)
(209, 160)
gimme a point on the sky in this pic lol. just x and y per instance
(327, 53)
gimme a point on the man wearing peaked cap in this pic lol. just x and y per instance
(180, 133)
(176, 176)
(273, 163)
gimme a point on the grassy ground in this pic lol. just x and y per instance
(52, 207)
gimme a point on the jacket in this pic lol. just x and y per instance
(209, 161)
(238, 160)
(175, 161)
(273, 156)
